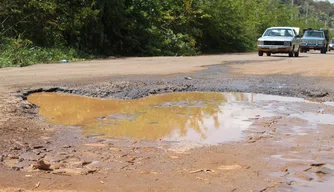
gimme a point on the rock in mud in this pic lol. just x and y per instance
(13, 157)
(26, 105)
(41, 165)
(16, 168)
(325, 171)
(16, 148)
(71, 172)
(317, 164)
(84, 163)
(316, 94)
(37, 146)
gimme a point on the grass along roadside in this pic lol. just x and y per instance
(20, 53)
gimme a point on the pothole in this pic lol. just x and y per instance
(195, 117)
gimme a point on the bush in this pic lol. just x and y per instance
(21, 52)
(55, 30)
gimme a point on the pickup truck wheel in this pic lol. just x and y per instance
(260, 53)
(268, 54)
(297, 53)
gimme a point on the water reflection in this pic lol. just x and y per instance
(202, 117)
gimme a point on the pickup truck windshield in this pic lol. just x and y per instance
(279, 32)
(319, 34)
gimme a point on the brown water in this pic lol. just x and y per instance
(206, 118)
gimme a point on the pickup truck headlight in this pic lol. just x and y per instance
(259, 42)
(287, 43)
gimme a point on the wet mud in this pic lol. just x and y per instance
(215, 78)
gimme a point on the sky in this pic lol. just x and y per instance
(332, 1)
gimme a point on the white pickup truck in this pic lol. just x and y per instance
(279, 40)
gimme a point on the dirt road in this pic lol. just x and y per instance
(274, 154)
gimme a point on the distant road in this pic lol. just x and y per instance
(309, 64)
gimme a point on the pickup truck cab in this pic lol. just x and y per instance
(315, 39)
(279, 40)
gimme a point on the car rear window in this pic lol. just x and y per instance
(314, 34)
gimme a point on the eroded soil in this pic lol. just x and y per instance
(277, 153)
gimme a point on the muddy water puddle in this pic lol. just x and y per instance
(204, 118)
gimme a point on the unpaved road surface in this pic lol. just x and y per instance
(278, 153)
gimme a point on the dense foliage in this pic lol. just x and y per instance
(46, 31)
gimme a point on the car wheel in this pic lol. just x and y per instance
(268, 54)
(260, 53)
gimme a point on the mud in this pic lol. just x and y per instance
(216, 78)
(275, 153)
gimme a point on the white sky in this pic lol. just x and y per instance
(332, 1)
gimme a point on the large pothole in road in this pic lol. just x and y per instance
(193, 117)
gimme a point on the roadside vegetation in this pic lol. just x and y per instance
(48, 31)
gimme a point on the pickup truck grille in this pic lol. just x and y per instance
(273, 42)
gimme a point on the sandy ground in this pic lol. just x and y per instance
(270, 157)
(311, 64)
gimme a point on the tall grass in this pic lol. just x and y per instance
(19, 53)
